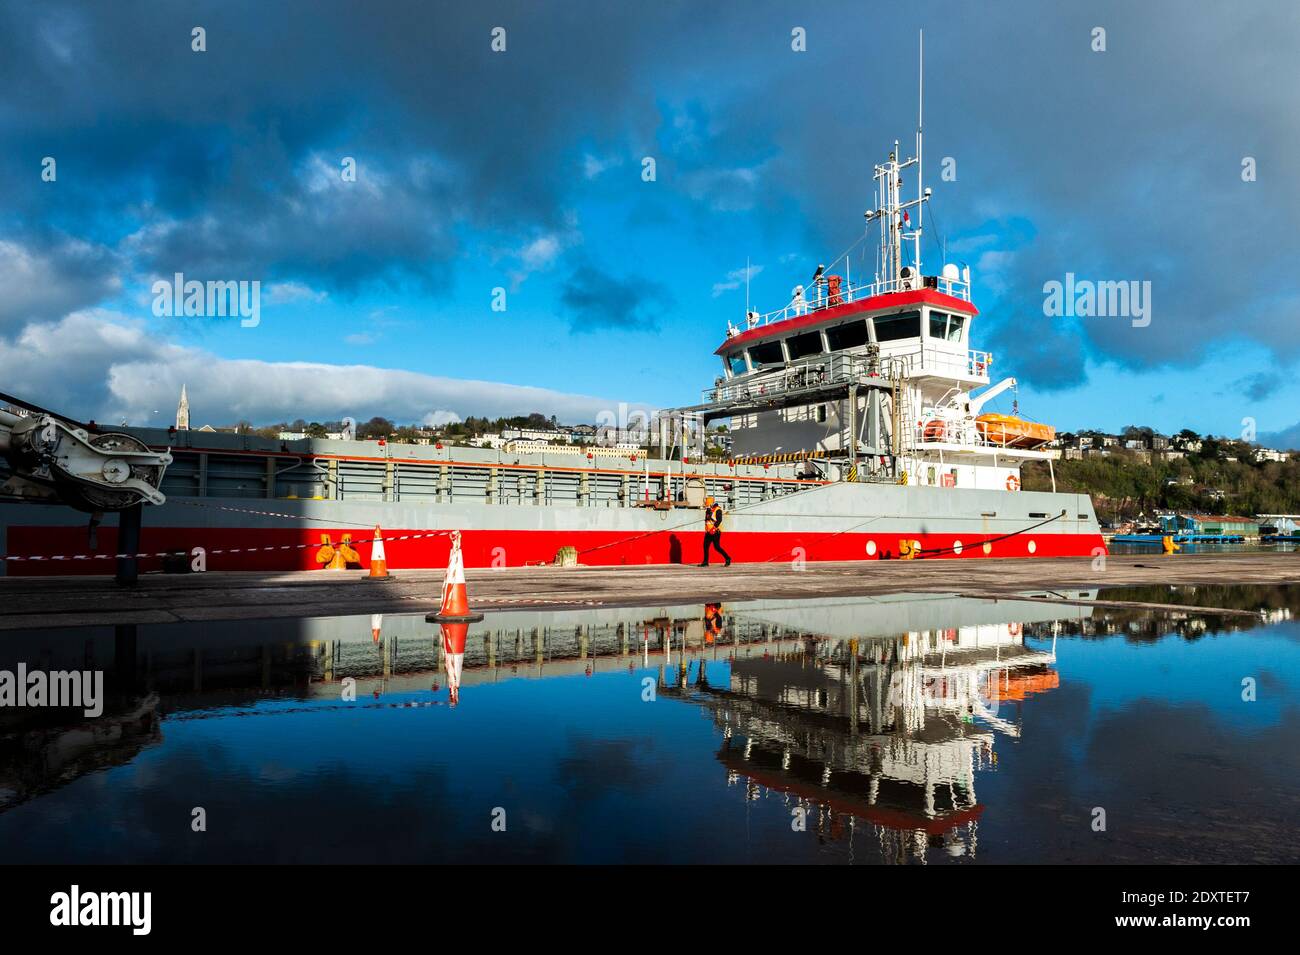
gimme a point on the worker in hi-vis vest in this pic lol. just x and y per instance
(713, 531)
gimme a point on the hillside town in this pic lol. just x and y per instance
(1143, 482)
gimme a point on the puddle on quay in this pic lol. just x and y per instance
(899, 729)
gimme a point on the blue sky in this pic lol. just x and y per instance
(522, 170)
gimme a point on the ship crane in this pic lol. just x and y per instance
(973, 403)
(55, 459)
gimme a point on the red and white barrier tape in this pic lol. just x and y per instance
(215, 550)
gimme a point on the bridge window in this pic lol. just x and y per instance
(891, 328)
(945, 327)
(736, 362)
(766, 355)
(848, 335)
(809, 343)
(939, 325)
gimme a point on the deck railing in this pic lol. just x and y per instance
(818, 297)
(797, 376)
(936, 359)
(841, 366)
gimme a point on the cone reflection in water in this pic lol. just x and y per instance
(453, 654)
(376, 625)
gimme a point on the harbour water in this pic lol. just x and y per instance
(1206, 547)
(901, 729)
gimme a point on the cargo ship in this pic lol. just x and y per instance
(854, 411)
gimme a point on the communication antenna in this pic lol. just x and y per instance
(920, 177)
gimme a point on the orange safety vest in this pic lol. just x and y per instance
(713, 518)
(712, 622)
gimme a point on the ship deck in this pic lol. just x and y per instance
(37, 602)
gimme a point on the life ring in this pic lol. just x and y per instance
(1014, 629)
(1013, 483)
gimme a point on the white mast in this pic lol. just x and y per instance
(920, 179)
(891, 208)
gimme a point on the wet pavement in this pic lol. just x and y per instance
(31, 602)
(902, 728)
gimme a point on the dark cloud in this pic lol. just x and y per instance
(596, 300)
(50, 276)
(213, 157)
(1127, 162)
(1259, 386)
(1288, 439)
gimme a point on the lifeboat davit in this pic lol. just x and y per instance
(1011, 432)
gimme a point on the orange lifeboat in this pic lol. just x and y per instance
(1011, 432)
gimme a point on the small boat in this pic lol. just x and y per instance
(1012, 432)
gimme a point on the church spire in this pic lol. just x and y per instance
(183, 412)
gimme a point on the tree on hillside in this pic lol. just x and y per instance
(376, 427)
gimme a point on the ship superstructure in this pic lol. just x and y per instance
(874, 379)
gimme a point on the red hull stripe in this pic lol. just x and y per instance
(508, 548)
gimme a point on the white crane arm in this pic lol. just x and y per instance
(979, 401)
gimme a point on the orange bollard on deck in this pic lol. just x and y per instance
(325, 554)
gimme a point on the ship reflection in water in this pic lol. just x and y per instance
(907, 728)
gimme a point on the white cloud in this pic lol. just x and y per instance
(103, 365)
(734, 278)
(541, 252)
(281, 293)
(436, 419)
(593, 166)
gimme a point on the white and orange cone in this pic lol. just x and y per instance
(455, 600)
(376, 626)
(453, 654)
(378, 560)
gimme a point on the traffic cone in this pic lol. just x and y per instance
(453, 653)
(378, 561)
(455, 601)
